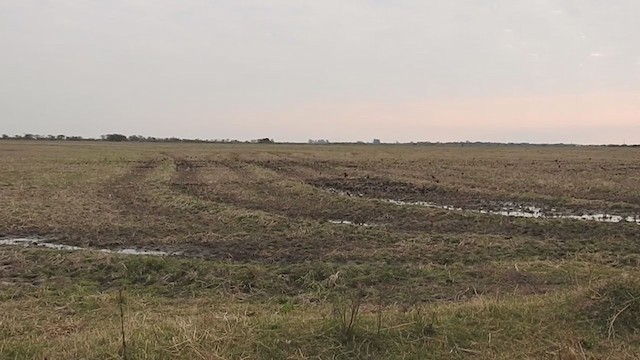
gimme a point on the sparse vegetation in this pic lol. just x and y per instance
(614, 306)
(263, 272)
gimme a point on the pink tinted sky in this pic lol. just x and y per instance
(585, 119)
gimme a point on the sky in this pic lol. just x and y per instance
(541, 71)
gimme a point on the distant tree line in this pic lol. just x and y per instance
(139, 138)
(125, 138)
(43, 137)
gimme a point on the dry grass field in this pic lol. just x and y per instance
(319, 252)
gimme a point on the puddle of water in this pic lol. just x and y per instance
(343, 193)
(598, 217)
(38, 242)
(517, 211)
(422, 203)
(33, 242)
(347, 222)
(526, 212)
(508, 209)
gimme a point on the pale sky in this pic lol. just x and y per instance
(401, 70)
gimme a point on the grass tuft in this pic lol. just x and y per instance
(614, 306)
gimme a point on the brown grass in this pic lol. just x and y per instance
(261, 263)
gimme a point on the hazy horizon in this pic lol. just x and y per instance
(548, 71)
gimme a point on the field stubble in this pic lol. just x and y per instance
(273, 248)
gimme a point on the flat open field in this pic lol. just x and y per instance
(283, 251)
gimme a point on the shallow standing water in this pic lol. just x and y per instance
(529, 211)
(508, 209)
(36, 242)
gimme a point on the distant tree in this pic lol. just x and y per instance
(136, 138)
(28, 137)
(265, 141)
(320, 141)
(60, 137)
(114, 137)
(5, 136)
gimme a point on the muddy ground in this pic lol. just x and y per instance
(434, 241)
(296, 204)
